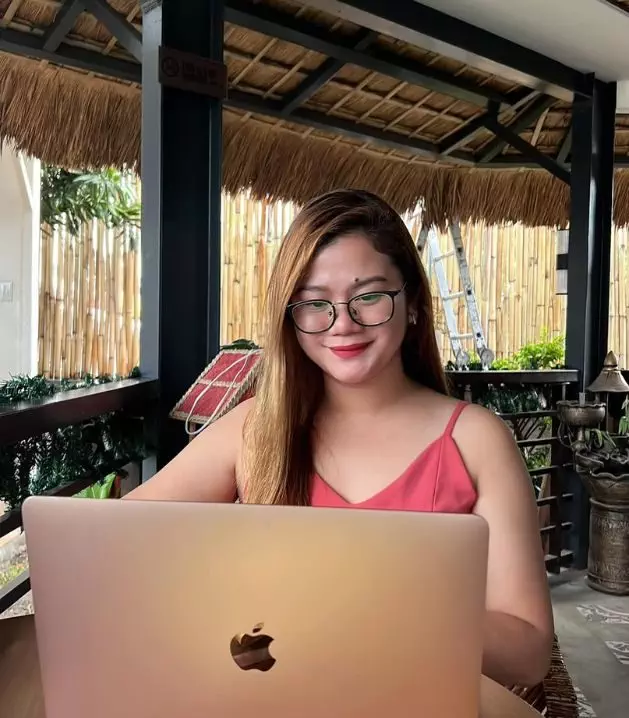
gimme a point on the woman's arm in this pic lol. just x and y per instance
(206, 469)
(519, 621)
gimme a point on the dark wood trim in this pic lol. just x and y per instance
(28, 419)
(549, 500)
(565, 526)
(14, 590)
(12, 520)
(528, 415)
(513, 378)
(528, 443)
(554, 563)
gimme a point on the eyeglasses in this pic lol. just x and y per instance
(315, 316)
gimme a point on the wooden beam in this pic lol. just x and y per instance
(565, 147)
(64, 22)
(8, 16)
(521, 123)
(511, 138)
(117, 25)
(538, 128)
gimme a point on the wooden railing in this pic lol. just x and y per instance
(136, 397)
(559, 493)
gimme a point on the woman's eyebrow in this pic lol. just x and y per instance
(379, 279)
(358, 283)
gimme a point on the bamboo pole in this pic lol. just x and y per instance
(45, 239)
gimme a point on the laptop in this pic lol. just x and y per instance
(188, 610)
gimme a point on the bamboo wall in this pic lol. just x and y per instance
(512, 269)
(89, 301)
(89, 319)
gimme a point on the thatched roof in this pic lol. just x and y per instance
(75, 118)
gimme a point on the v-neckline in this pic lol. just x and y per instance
(389, 487)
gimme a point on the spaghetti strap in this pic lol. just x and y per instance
(454, 417)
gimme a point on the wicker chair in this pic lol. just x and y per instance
(555, 696)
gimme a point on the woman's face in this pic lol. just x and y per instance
(351, 269)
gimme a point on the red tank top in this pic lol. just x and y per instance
(437, 480)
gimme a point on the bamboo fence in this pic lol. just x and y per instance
(89, 319)
(89, 301)
(512, 269)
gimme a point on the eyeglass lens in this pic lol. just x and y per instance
(367, 309)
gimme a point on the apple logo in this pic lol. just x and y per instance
(250, 651)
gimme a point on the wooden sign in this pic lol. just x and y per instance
(192, 73)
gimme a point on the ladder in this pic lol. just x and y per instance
(428, 235)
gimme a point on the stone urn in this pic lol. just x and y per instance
(608, 557)
(603, 467)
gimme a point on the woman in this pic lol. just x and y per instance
(352, 394)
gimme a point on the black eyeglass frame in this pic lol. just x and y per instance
(392, 293)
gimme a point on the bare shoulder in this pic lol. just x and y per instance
(477, 422)
(440, 406)
(487, 445)
(228, 429)
(236, 417)
(206, 469)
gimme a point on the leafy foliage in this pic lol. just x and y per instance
(95, 446)
(71, 199)
(547, 353)
(100, 490)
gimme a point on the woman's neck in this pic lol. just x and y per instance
(370, 397)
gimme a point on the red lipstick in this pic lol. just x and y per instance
(350, 351)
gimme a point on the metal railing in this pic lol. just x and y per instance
(559, 492)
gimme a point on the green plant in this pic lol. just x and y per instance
(505, 400)
(12, 572)
(547, 353)
(25, 388)
(73, 198)
(100, 490)
(95, 446)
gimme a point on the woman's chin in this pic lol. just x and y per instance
(351, 372)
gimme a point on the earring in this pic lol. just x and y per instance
(412, 318)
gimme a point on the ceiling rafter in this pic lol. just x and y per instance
(8, 16)
(120, 26)
(507, 135)
(63, 23)
(269, 21)
(360, 50)
(323, 74)
(523, 121)
(117, 25)
(566, 146)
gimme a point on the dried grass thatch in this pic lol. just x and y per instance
(287, 166)
(68, 118)
(76, 119)
(97, 123)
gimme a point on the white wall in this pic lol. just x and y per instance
(19, 262)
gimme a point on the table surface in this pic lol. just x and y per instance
(21, 691)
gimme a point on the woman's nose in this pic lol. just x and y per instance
(343, 323)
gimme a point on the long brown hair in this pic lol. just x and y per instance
(277, 460)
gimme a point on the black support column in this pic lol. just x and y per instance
(181, 181)
(592, 189)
